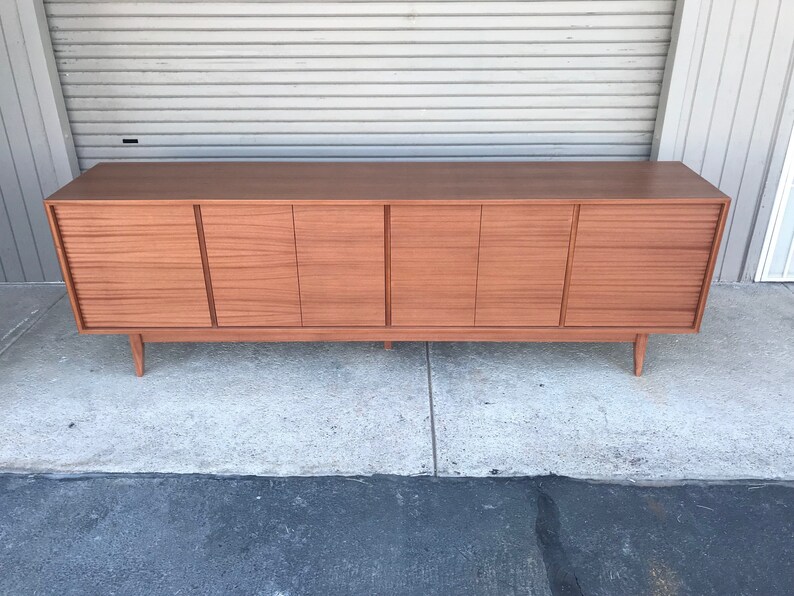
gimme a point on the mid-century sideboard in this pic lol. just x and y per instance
(597, 251)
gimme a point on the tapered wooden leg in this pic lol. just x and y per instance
(640, 343)
(136, 343)
(387, 345)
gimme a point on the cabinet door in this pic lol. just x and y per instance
(640, 265)
(135, 265)
(523, 254)
(434, 264)
(251, 256)
(341, 265)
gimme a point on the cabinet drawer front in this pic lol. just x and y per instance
(523, 253)
(640, 265)
(341, 267)
(251, 256)
(434, 264)
(135, 265)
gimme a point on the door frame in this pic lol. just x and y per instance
(783, 197)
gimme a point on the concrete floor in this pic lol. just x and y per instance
(21, 305)
(712, 406)
(137, 535)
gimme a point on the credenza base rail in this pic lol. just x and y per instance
(138, 341)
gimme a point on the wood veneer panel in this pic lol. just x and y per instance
(135, 265)
(376, 334)
(523, 254)
(434, 264)
(640, 265)
(393, 181)
(341, 267)
(251, 255)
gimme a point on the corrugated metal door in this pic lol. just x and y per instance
(543, 79)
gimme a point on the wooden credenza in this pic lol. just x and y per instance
(167, 252)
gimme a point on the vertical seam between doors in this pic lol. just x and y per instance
(205, 265)
(477, 276)
(569, 264)
(297, 265)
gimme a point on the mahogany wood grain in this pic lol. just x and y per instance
(523, 252)
(569, 263)
(640, 345)
(63, 261)
(388, 251)
(205, 265)
(254, 272)
(387, 261)
(135, 265)
(380, 334)
(638, 266)
(715, 248)
(341, 266)
(138, 353)
(394, 181)
(434, 253)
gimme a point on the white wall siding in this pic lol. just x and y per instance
(547, 79)
(728, 111)
(779, 247)
(36, 155)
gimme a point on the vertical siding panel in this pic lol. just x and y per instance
(36, 171)
(28, 99)
(748, 100)
(723, 117)
(15, 176)
(749, 96)
(737, 81)
(762, 142)
(692, 68)
(49, 96)
(9, 258)
(768, 209)
(708, 80)
(674, 109)
(28, 167)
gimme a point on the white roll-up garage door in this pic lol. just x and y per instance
(542, 79)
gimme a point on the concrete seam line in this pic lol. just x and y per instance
(33, 322)
(432, 408)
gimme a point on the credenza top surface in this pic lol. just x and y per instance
(388, 181)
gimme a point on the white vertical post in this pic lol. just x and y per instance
(36, 33)
(673, 95)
